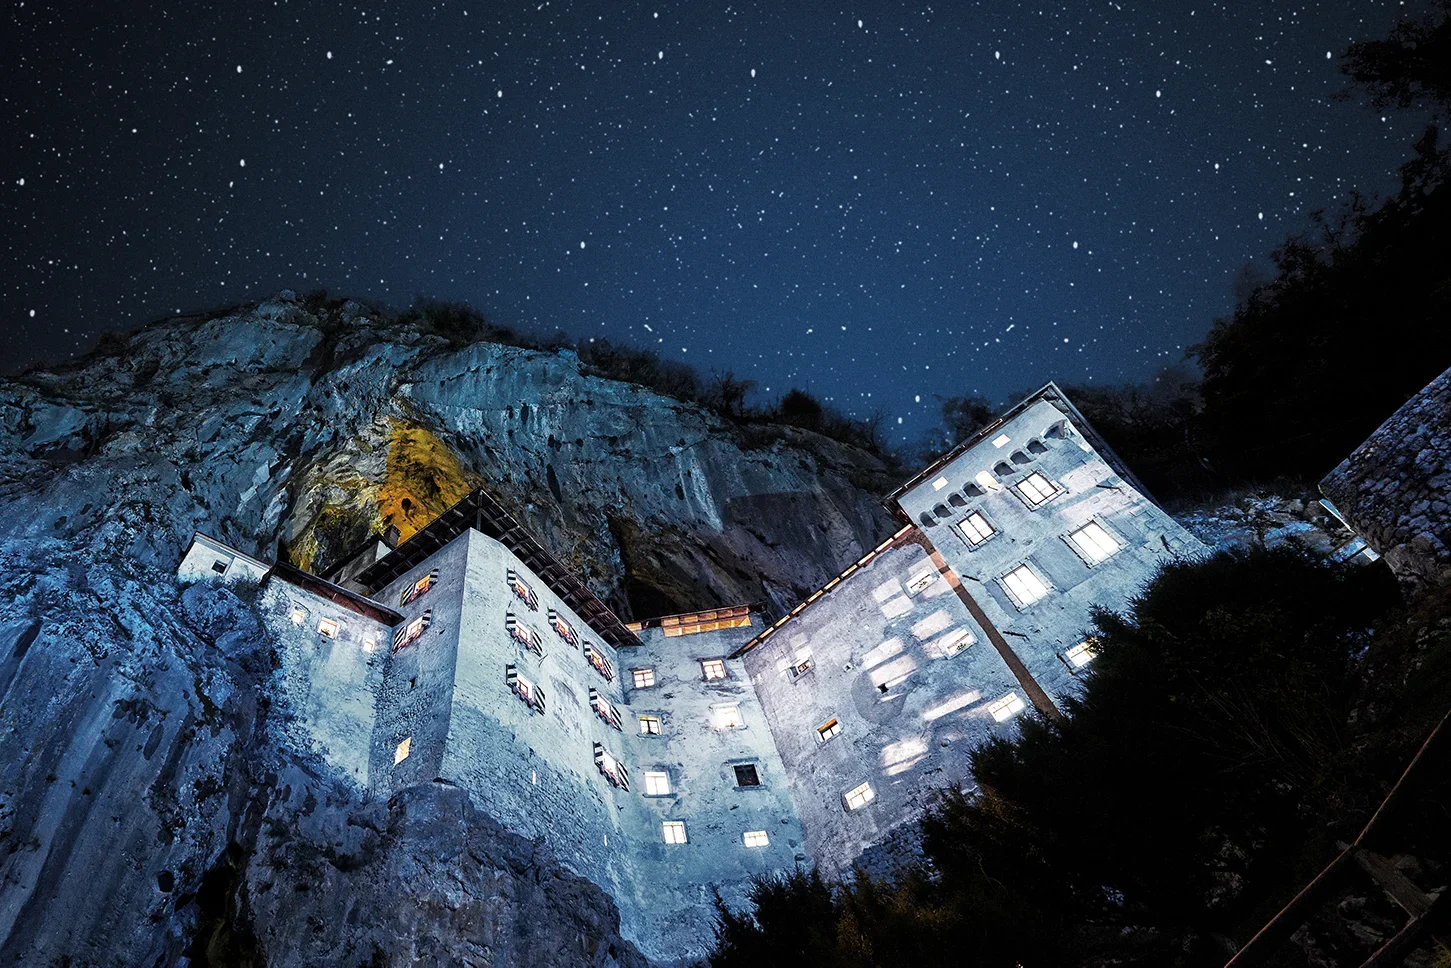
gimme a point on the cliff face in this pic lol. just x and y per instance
(151, 808)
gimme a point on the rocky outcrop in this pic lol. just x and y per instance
(1395, 489)
(153, 807)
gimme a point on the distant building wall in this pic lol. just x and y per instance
(991, 478)
(207, 557)
(895, 623)
(1395, 489)
(700, 755)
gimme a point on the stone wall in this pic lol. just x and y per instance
(909, 705)
(1395, 489)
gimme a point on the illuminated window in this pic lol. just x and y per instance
(1025, 586)
(1001, 440)
(959, 641)
(747, 775)
(562, 628)
(418, 589)
(604, 709)
(921, 582)
(939, 484)
(1080, 655)
(755, 838)
(524, 635)
(610, 768)
(643, 678)
(1035, 489)
(410, 632)
(657, 784)
(298, 614)
(827, 730)
(649, 725)
(527, 691)
(713, 668)
(595, 656)
(674, 831)
(727, 716)
(1007, 707)
(1093, 542)
(523, 591)
(804, 664)
(861, 796)
(401, 753)
(328, 628)
(975, 529)
(985, 481)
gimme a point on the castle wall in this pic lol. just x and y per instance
(1042, 438)
(700, 757)
(892, 624)
(329, 682)
(209, 558)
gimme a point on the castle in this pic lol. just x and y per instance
(672, 758)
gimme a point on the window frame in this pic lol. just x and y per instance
(718, 715)
(1084, 553)
(961, 529)
(1054, 489)
(1006, 707)
(329, 628)
(708, 668)
(657, 784)
(674, 832)
(1018, 601)
(858, 797)
(828, 730)
(655, 720)
(403, 750)
(755, 775)
(755, 839)
(647, 673)
(1080, 655)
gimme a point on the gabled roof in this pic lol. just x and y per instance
(1049, 392)
(484, 514)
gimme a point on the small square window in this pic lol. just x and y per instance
(401, 753)
(746, 775)
(1080, 655)
(859, 797)
(1001, 440)
(1025, 586)
(674, 831)
(298, 615)
(643, 678)
(1035, 489)
(939, 484)
(727, 716)
(220, 567)
(657, 784)
(755, 838)
(1007, 707)
(1093, 542)
(649, 725)
(827, 730)
(328, 628)
(804, 664)
(975, 529)
(713, 668)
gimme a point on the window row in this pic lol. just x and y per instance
(534, 642)
(673, 832)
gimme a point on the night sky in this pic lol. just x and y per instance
(883, 203)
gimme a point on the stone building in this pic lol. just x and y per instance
(1394, 491)
(684, 755)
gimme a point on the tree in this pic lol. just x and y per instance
(1412, 66)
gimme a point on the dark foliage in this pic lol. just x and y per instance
(1412, 67)
(1197, 783)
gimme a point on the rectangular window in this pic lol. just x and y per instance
(712, 668)
(418, 589)
(727, 716)
(1093, 542)
(643, 678)
(1025, 586)
(1007, 707)
(859, 797)
(939, 484)
(524, 635)
(804, 664)
(1035, 489)
(957, 642)
(220, 567)
(1001, 440)
(921, 582)
(975, 529)
(827, 730)
(610, 768)
(298, 614)
(522, 591)
(327, 628)
(755, 838)
(604, 709)
(527, 691)
(404, 748)
(1080, 655)
(562, 628)
(657, 784)
(746, 775)
(649, 725)
(674, 831)
(596, 658)
(412, 630)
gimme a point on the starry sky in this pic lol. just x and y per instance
(886, 203)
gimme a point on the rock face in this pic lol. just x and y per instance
(152, 808)
(1395, 489)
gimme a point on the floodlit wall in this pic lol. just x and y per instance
(699, 754)
(209, 558)
(329, 681)
(990, 479)
(910, 700)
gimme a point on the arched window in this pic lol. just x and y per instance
(1003, 469)
(1020, 458)
(1036, 446)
